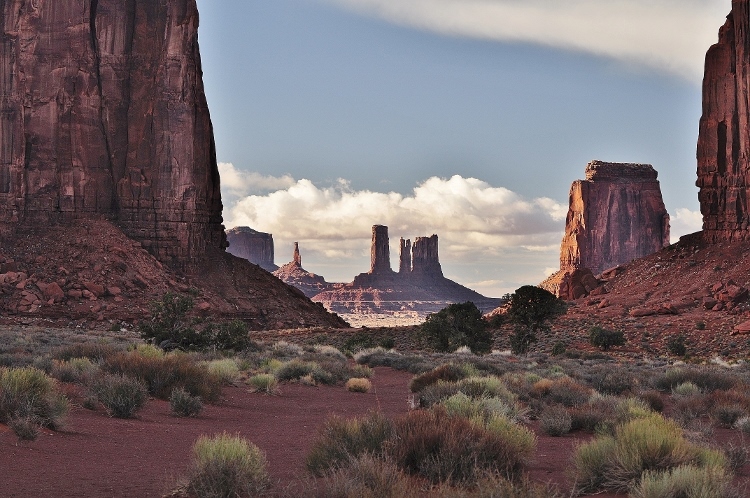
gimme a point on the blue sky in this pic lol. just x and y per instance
(465, 118)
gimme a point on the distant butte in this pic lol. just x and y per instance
(254, 246)
(293, 274)
(419, 284)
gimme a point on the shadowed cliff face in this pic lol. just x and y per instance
(103, 112)
(254, 246)
(724, 138)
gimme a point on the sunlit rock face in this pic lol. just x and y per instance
(254, 246)
(615, 215)
(102, 112)
(724, 137)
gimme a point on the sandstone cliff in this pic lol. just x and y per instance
(724, 136)
(254, 246)
(615, 215)
(102, 111)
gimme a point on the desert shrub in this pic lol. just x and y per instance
(296, 369)
(226, 370)
(380, 357)
(227, 466)
(459, 324)
(726, 414)
(736, 456)
(689, 408)
(164, 373)
(567, 392)
(357, 385)
(706, 378)
(227, 336)
(686, 481)
(443, 448)
(495, 486)
(530, 309)
(26, 428)
(595, 414)
(521, 384)
(642, 444)
(122, 396)
(184, 404)
(686, 389)
(474, 387)
(75, 370)
(284, 349)
(366, 477)
(340, 440)
(676, 345)
(559, 348)
(604, 339)
(94, 351)
(612, 380)
(331, 351)
(555, 421)
(743, 424)
(364, 340)
(27, 393)
(653, 399)
(448, 372)
(265, 383)
(481, 408)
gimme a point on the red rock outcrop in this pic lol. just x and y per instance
(724, 137)
(102, 111)
(293, 274)
(380, 251)
(425, 260)
(615, 215)
(404, 257)
(254, 246)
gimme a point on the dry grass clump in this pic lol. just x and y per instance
(184, 404)
(163, 373)
(358, 385)
(265, 383)
(227, 466)
(643, 444)
(686, 480)
(226, 370)
(29, 397)
(121, 395)
(555, 420)
(95, 351)
(448, 372)
(366, 477)
(340, 440)
(442, 448)
(706, 378)
(381, 357)
(74, 370)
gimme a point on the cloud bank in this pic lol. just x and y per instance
(666, 35)
(333, 224)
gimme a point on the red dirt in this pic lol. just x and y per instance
(98, 456)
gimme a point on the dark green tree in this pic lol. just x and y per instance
(457, 325)
(605, 339)
(530, 309)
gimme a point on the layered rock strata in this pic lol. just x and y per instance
(254, 246)
(615, 215)
(724, 137)
(295, 275)
(102, 111)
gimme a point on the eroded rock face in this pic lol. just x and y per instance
(293, 274)
(724, 137)
(254, 246)
(103, 112)
(380, 251)
(615, 215)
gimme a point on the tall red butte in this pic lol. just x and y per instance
(102, 111)
(724, 137)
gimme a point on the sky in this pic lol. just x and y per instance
(468, 119)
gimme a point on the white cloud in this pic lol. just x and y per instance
(667, 35)
(238, 183)
(683, 222)
(333, 224)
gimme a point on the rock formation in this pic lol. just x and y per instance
(102, 111)
(724, 136)
(419, 284)
(615, 215)
(254, 246)
(293, 274)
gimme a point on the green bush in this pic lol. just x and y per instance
(226, 370)
(29, 394)
(75, 370)
(227, 466)
(265, 383)
(457, 325)
(605, 339)
(340, 440)
(183, 404)
(122, 396)
(676, 345)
